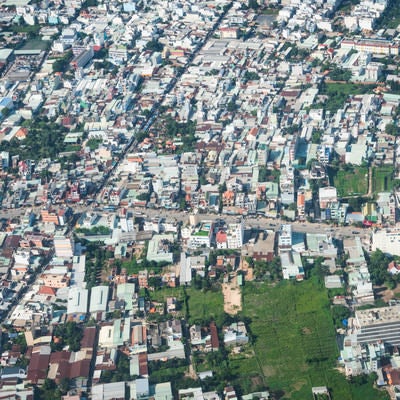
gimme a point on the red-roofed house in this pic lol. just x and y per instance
(48, 291)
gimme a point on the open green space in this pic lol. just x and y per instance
(295, 341)
(162, 295)
(204, 306)
(36, 44)
(337, 93)
(383, 179)
(351, 181)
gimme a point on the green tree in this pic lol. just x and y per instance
(392, 129)
(253, 4)
(377, 265)
(154, 45)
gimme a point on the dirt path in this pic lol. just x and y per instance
(232, 297)
(389, 294)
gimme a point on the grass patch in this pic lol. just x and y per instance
(270, 11)
(382, 179)
(72, 147)
(204, 305)
(36, 44)
(351, 181)
(164, 293)
(295, 342)
(337, 94)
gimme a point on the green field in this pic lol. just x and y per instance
(350, 182)
(36, 44)
(204, 306)
(382, 179)
(295, 341)
(337, 93)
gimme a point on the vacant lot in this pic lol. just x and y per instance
(36, 44)
(232, 297)
(295, 341)
(204, 306)
(382, 179)
(351, 182)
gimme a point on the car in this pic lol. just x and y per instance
(355, 232)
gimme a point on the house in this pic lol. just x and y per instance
(98, 300)
(235, 334)
(214, 337)
(327, 195)
(38, 364)
(292, 267)
(109, 391)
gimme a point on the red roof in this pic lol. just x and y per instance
(89, 336)
(47, 291)
(143, 369)
(38, 366)
(214, 336)
(221, 237)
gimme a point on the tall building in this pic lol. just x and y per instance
(234, 235)
(285, 238)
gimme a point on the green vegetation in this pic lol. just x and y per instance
(392, 129)
(340, 74)
(31, 30)
(89, 3)
(270, 11)
(390, 18)
(48, 391)
(72, 148)
(204, 306)
(133, 266)
(154, 45)
(93, 144)
(96, 257)
(251, 76)
(316, 136)
(62, 63)
(295, 341)
(383, 179)
(346, 5)
(184, 130)
(44, 139)
(36, 44)
(377, 266)
(96, 230)
(339, 313)
(337, 93)
(266, 270)
(121, 373)
(351, 180)
(265, 174)
(69, 333)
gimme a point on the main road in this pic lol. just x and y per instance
(260, 223)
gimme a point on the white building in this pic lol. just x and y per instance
(64, 247)
(387, 240)
(285, 238)
(327, 195)
(98, 299)
(77, 301)
(234, 235)
(292, 267)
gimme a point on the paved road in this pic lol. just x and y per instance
(261, 223)
(179, 216)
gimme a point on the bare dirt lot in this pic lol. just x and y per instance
(232, 297)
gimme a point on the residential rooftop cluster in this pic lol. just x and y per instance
(153, 151)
